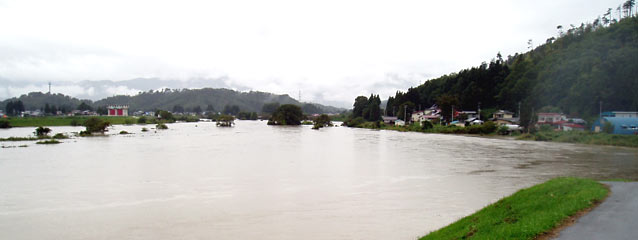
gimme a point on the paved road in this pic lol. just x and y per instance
(615, 218)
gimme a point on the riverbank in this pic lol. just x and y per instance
(582, 138)
(53, 121)
(528, 213)
(546, 136)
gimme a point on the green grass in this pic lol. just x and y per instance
(583, 138)
(486, 129)
(64, 121)
(16, 139)
(51, 141)
(527, 213)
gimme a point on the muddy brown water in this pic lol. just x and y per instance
(253, 181)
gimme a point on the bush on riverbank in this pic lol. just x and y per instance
(582, 137)
(50, 121)
(5, 123)
(484, 129)
(527, 213)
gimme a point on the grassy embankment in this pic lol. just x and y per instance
(583, 138)
(64, 121)
(485, 129)
(45, 137)
(548, 136)
(528, 213)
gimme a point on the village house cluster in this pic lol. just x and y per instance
(622, 122)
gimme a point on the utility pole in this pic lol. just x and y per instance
(49, 87)
(600, 109)
(519, 110)
(479, 110)
(405, 113)
(452, 113)
(299, 96)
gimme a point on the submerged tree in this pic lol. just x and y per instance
(287, 114)
(225, 120)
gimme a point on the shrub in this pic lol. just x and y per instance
(51, 141)
(123, 132)
(59, 136)
(144, 129)
(161, 126)
(608, 128)
(128, 121)
(75, 122)
(355, 122)
(5, 123)
(546, 128)
(425, 125)
(141, 120)
(225, 120)
(503, 130)
(42, 131)
(96, 124)
(488, 127)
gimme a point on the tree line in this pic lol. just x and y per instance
(579, 71)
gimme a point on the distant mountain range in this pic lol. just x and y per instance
(167, 99)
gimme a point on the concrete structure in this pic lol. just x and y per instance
(621, 125)
(503, 114)
(399, 123)
(118, 110)
(573, 127)
(620, 114)
(470, 114)
(615, 218)
(551, 118)
(389, 120)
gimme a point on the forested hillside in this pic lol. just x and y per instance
(574, 71)
(206, 99)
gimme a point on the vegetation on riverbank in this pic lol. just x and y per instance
(427, 127)
(528, 213)
(65, 121)
(583, 138)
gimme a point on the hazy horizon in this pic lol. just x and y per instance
(331, 52)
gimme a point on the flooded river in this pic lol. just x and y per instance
(253, 181)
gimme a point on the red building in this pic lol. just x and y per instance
(118, 110)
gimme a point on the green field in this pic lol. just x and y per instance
(583, 138)
(527, 213)
(64, 121)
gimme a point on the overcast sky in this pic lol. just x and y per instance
(331, 51)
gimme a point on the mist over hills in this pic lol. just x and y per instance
(167, 99)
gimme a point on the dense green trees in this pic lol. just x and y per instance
(231, 109)
(14, 107)
(574, 72)
(84, 107)
(367, 108)
(287, 114)
(247, 115)
(189, 99)
(270, 107)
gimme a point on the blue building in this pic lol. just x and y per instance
(622, 125)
